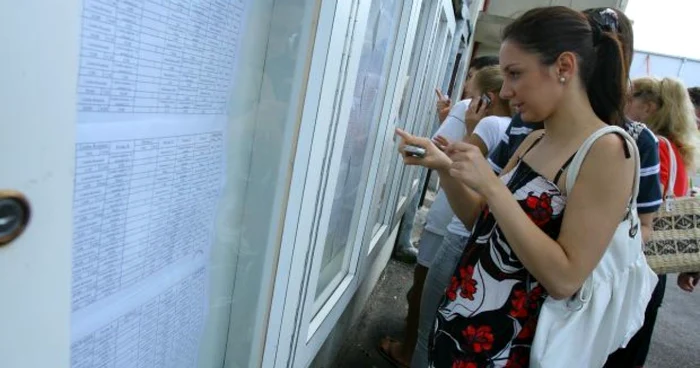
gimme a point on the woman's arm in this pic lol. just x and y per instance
(594, 209)
(468, 214)
(646, 220)
(465, 202)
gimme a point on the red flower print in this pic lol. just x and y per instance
(463, 364)
(539, 208)
(468, 283)
(481, 338)
(535, 296)
(451, 291)
(528, 330)
(519, 303)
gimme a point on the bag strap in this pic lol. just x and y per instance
(575, 166)
(583, 295)
(673, 168)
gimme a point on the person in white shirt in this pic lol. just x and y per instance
(485, 133)
(462, 118)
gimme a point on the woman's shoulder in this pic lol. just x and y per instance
(496, 120)
(460, 108)
(493, 122)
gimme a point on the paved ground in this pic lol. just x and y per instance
(676, 339)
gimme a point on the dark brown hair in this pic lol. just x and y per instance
(482, 62)
(551, 31)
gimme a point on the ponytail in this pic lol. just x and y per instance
(607, 83)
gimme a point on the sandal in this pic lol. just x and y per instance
(385, 350)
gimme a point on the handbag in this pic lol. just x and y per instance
(674, 245)
(609, 308)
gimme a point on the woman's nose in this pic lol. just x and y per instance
(506, 92)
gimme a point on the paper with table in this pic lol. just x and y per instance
(154, 84)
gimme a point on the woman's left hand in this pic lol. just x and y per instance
(474, 114)
(470, 167)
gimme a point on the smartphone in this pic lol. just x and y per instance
(485, 99)
(415, 151)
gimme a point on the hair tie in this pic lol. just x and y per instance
(609, 20)
(603, 21)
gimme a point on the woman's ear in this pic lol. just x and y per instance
(566, 66)
(650, 108)
(493, 96)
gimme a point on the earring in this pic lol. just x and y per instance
(562, 80)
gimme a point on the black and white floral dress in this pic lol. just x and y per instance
(489, 312)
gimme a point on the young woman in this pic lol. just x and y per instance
(649, 197)
(483, 132)
(561, 67)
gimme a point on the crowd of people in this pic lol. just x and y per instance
(506, 229)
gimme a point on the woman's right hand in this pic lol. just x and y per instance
(443, 105)
(434, 158)
(474, 114)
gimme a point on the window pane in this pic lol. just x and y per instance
(359, 143)
(262, 127)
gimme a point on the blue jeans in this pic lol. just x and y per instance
(439, 275)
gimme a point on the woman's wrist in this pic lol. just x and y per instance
(495, 189)
(443, 166)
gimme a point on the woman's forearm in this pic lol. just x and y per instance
(647, 222)
(466, 203)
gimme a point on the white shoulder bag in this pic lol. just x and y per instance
(609, 308)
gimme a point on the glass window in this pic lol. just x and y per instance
(358, 147)
(397, 170)
(263, 122)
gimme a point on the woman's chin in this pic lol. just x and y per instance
(526, 117)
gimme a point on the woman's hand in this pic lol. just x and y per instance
(443, 105)
(474, 114)
(688, 281)
(441, 142)
(434, 158)
(470, 167)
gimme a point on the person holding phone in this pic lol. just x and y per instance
(453, 128)
(564, 68)
(486, 120)
(444, 103)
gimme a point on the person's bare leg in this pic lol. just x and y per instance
(413, 316)
(402, 351)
